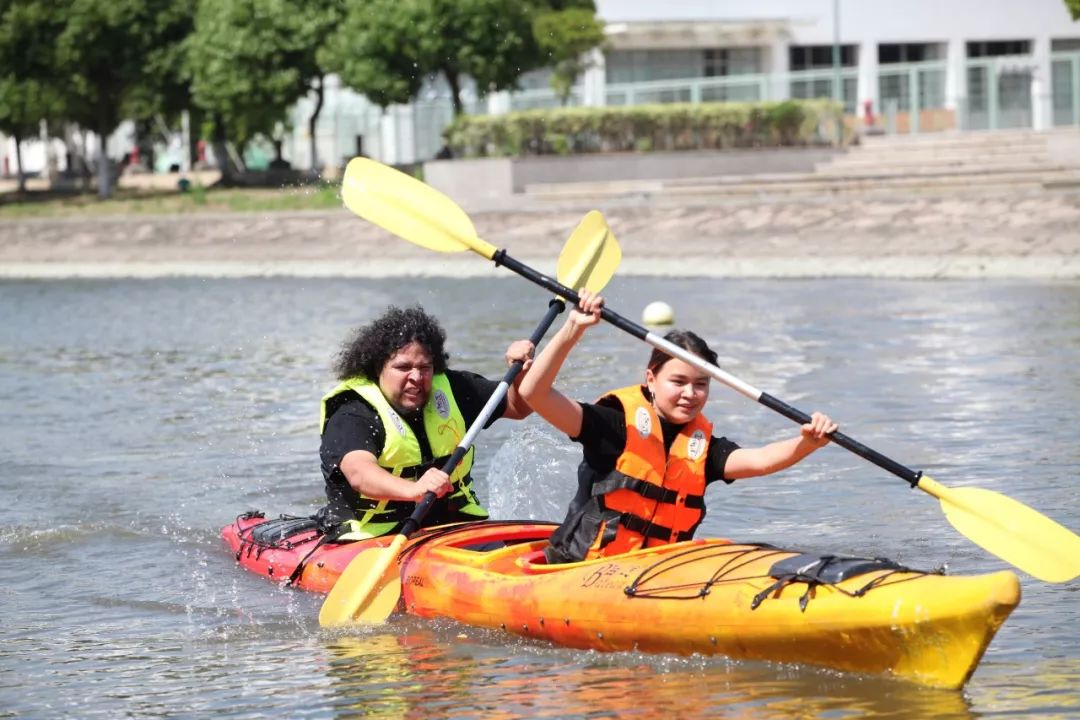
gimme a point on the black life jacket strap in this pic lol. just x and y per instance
(640, 525)
(619, 481)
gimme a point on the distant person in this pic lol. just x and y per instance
(279, 162)
(393, 421)
(445, 153)
(648, 451)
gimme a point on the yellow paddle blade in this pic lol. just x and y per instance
(365, 588)
(590, 256)
(409, 209)
(1014, 532)
(381, 600)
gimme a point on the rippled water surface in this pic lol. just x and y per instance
(139, 417)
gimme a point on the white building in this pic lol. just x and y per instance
(915, 65)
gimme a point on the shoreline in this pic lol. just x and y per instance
(1021, 235)
(943, 267)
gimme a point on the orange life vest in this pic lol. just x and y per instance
(659, 495)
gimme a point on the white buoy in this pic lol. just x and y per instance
(658, 313)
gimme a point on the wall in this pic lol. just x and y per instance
(811, 21)
(489, 179)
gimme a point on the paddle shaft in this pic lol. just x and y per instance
(844, 441)
(555, 307)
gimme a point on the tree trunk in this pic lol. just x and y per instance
(104, 164)
(84, 157)
(221, 153)
(144, 141)
(313, 120)
(18, 163)
(104, 174)
(192, 141)
(454, 81)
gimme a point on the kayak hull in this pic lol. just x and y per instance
(707, 597)
(698, 597)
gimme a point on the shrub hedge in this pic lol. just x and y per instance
(643, 128)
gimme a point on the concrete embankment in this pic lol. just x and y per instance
(1033, 235)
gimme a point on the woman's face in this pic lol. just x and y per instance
(679, 390)
(405, 379)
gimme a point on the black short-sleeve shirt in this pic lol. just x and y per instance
(603, 439)
(352, 424)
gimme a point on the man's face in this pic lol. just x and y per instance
(405, 380)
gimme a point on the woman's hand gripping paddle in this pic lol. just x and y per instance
(369, 588)
(1005, 527)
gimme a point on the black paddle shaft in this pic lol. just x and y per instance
(848, 443)
(556, 306)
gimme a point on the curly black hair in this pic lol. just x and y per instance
(370, 347)
(687, 341)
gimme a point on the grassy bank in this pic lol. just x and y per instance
(128, 201)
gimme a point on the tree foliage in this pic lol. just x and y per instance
(1074, 8)
(103, 53)
(386, 48)
(565, 36)
(246, 62)
(164, 86)
(28, 29)
(28, 79)
(251, 60)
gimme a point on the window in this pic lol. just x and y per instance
(1065, 45)
(731, 61)
(995, 48)
(889, 53)
(811, 57)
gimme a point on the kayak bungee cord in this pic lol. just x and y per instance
(813, 573)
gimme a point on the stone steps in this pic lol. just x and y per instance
(809, 184)
(963, 154)
(943, 162)
(953, 167)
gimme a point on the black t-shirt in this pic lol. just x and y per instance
(352, 424)
(603, 439)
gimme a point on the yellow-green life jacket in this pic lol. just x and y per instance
(444, 426)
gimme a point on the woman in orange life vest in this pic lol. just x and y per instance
(648, 451)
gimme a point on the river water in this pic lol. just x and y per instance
(139, 417)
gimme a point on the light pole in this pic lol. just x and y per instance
(837, 87)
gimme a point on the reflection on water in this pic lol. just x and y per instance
(413, 673)
(141, 416)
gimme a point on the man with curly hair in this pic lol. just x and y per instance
(393, 421)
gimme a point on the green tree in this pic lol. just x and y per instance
(1074, 8)
(386, 48)
(565, 36)
(102, 53)
(251, 60)
(28, 32)
(164, 89)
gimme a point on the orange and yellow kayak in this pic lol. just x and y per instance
(710, 597)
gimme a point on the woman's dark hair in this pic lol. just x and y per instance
(687, 341)
(371, 346)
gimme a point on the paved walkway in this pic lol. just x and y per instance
(1033, 235)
